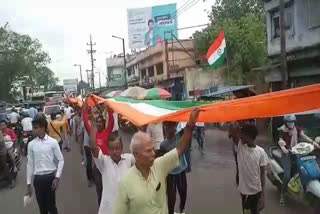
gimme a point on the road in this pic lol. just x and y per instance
(211, 184)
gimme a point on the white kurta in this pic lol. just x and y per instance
(111, 175)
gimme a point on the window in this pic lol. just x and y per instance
(289, 22)
(151, 71)
(314, 17)
(276, 27)
(143, 73)
(159, 68)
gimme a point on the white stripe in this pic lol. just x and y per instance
(148, 109)
(214, 56)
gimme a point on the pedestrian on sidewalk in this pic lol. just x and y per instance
(102, 138)
(252, 160)
(155, 131)
(143, 188)
(45, 163)
(79, 131)
(112, 167)
(177, 179)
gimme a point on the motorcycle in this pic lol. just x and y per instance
(27, 137)
(305, 183)
(12, 173)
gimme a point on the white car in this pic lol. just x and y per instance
(48, 110)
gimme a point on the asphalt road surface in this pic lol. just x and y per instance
(211, 184)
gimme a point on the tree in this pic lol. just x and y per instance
(244, 26)
(22, 60)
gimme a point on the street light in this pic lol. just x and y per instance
(124, 59)
(80, 76)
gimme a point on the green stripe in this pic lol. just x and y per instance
(220, 61)
(165, 104)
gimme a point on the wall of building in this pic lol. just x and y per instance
(196, 79)
(303, 25)
(115, 77)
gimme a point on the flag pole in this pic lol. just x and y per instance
(228, 70)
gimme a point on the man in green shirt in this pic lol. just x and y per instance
(143, 189)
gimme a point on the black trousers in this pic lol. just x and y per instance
(174, 183)
(251, 202)
(46, 197)
(98, 182)
(87, 151)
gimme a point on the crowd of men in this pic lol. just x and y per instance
(148, 179)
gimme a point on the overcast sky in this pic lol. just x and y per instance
(64, 26)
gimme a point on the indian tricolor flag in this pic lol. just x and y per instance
(142, 112)
(217, 51)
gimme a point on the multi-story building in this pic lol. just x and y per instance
(302, 23)
(163, 65)
(115, 72)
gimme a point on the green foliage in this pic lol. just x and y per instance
(244, 26)
(22, 61)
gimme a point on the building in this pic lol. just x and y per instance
(302, 42)
(163, 65)
(115, 72)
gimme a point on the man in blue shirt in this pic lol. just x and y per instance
(176, 179)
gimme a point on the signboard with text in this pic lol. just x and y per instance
(151, 25)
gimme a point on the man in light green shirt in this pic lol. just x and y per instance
(143, 189)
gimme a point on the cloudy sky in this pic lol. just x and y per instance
(64, 26)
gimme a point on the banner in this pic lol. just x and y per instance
(151, 25)
(142, 112)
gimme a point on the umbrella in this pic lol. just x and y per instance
(155, 94)
(114, 94)
(133, 92)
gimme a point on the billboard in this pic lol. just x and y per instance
(148, 26)
(70, 85)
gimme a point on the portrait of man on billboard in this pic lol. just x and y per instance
(151, 37)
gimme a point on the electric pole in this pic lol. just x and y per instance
(88, 77)
(284, 67)
(91, 51)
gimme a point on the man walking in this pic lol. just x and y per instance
(43, 152)
(143, 188)
(177, 179)
(200, 134)
(102, 137)
(112, 167)
(252, 160)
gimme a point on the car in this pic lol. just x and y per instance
(48, 110)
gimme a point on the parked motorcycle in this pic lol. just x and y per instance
(305, 182)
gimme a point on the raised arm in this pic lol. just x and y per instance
(93, 133)
(110, 120)
(86, 118)
(187, 135)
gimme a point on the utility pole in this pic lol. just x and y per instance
(124, 59)
(81, 89)
(284, 67)
(88, 77)
(91, 51)
(99, 81)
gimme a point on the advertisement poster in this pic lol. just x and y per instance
(151, 25)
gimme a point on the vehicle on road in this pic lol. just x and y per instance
(305, 183)
(13, 174)
(48, 110)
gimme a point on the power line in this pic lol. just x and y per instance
(91, 51)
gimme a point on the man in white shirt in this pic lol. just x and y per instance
(68, 112)
(43, 155)
(155, 131)
(200, 134)
(14, 117)
(112, 168)
(252, 160)
(27, 123)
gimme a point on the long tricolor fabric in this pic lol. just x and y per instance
(142, 112)
(217, 51)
